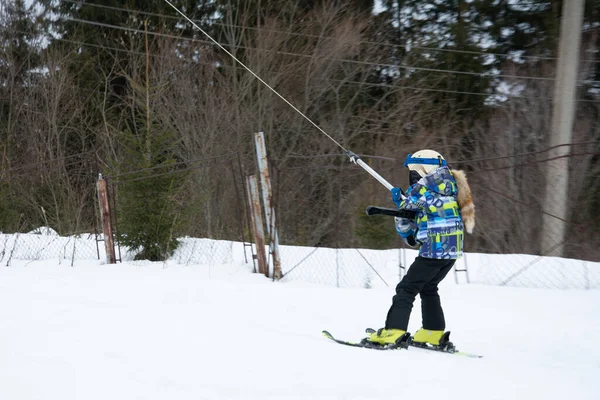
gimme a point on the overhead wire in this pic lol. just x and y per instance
(185, 164)
(571, 155)
(128, 51)
(530, 153)
(358, 83)
(37, 164)
(358, 62)
(479, 160)
(237, 60)
(117, 27)
(473, 52)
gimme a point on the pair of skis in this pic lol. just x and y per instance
(404, 342)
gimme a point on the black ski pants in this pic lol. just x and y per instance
(422, 278)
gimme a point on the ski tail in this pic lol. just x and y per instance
(401, 343)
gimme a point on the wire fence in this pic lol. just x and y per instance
(512, 244)
(48, 210)
(523, 270)
(355, 268)
(201, 204)
(343, 267)
(45, 244)
(327, 238)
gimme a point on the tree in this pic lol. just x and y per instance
(20, 27)
(19, 58)
(150, 215)
(105, 35)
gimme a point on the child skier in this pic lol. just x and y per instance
(441, 199)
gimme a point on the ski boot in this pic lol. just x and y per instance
(389, 338)
(437, 339)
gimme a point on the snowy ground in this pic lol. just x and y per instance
(144, 331)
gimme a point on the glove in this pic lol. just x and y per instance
(406, 229)
(397, 195)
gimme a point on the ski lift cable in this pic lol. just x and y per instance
(353, 157)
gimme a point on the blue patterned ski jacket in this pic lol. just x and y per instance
(439, 226)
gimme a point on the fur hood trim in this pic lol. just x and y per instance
(465, 200)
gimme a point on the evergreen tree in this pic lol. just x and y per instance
(108, 33)
(461, 31)
(149, 215)
(149, 210)
(20, 29)
(256, 11)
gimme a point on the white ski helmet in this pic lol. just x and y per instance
(424, 161)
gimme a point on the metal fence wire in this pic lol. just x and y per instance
(209, 205)
(48, 210)
(522, 270)
(45, 244)
(510, 246)
(355, 268)
(204, 211)
(325, 235)
(343, 267)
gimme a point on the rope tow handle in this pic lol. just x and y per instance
(353, 157)
(356, 160)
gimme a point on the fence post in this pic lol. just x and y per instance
(257, 227)
(465, 270)
(265, 181)
(105, 220)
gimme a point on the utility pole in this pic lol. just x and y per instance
(563, 111)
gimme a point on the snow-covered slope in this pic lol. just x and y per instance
(156, 331)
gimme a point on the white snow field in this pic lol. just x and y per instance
(141, 330)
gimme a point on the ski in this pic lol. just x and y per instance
(447, 346)
(402, 343)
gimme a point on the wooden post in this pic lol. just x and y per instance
(257, 224)
(105, 219)
(267, 192)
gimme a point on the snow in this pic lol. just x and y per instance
(186, 330)
(44, 230)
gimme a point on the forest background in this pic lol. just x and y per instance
(130, 90)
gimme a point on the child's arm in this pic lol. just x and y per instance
(414, 200)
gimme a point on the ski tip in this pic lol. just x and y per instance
(326, 334)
